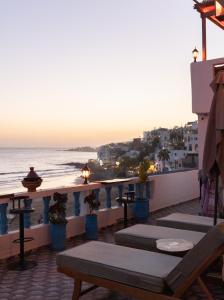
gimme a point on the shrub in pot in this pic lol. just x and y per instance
(141, 207)
(57, 219)
(91, 224)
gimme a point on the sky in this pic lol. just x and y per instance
(89, 72)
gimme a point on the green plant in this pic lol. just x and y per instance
(92, 202)
(143, 170)
(164, 155)
(57, 211)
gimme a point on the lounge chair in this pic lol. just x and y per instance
(138, 273)
(187, 222)
(144, 237)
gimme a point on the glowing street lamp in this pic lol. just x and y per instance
(117, 163)
(85, 173)
(195, 53)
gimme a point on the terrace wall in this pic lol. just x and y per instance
(166, 190)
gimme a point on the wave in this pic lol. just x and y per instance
(11, 178)
(38, 171)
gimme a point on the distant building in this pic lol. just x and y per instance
(162, 133)
(137, 144)
(191, 137)
(132, 153)
(104, 154)
(176, 158)
(147, 136)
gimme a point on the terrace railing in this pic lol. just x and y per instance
(163, 190)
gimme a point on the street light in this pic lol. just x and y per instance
(85, 173)
(195, 54)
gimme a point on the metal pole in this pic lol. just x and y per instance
(21, 239)
(204, 44)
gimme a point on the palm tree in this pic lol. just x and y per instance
(164, 155)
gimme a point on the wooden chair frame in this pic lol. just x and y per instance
(139, 293)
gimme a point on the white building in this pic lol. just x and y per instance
(162, 133)
(176, 158)
(191, 137)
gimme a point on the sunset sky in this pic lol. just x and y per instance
(88, 72)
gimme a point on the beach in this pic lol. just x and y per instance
(53, 165)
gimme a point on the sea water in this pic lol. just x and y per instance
(50, 165)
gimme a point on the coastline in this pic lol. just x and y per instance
(57, 168)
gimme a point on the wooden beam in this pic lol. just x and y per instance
(205, 289)
(204, 37)
(125, 289)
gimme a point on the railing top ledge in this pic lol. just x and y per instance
(67, 189)
(82, 187)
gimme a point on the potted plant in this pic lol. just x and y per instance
(57, 219)
(141, 207)
(91, 224)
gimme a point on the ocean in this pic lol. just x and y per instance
(48, 163)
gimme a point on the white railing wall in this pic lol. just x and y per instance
(165, 190)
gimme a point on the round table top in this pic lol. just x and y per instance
(174, 245)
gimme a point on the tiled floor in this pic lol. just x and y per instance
(43, 282)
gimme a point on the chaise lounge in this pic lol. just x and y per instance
(144, 237)
(187, 222)
(141, 274)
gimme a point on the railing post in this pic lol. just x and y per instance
(147, 189)
(46, 201)
(3, 218)
(96, 192)
(131, 187)
(76, 203)
(139, 190)
(120, 193)
(27, 204)
(108, 196)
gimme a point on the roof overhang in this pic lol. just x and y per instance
(213, 10)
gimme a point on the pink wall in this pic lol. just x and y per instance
(202, 74)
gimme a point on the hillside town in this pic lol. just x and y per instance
(165, 149)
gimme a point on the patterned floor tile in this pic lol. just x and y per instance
(44, 283)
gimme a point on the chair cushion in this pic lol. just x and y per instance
(195, 259)
(187, 222)
(129, 266)
(144, 236)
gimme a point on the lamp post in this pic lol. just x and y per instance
(195, 53)
(85, 173)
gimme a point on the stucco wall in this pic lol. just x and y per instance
(170, 189)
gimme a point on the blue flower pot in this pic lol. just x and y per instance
(58, 236)
(141, 209)
(91, 226)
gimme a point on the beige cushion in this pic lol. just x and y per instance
(133, 267)
(144, 236)
(197, 256)
(187, 222)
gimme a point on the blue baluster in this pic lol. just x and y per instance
(147, 189)
(97, 192)
(3, 218)
(138, 190)
(131, 187)
(46, 201)
(120, 193)
(27, 204)
(108, 197)
(76, 203)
